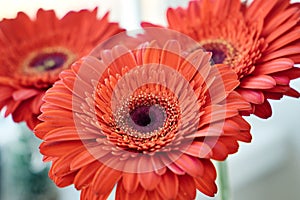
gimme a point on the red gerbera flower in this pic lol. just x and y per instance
(261, 42)
(148, 120)
(34, 52)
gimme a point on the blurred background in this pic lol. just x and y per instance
(266, 169)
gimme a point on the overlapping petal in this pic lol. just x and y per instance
(148, 120)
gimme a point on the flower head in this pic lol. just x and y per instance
(259, 41)
(148, 120)
(34, 52)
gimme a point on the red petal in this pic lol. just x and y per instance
(66, 134)
(151, 56)
(281, 52)
(263, 110)
(153, 195)
(220, 151)
(187, 188)
(272, 95)
(286, 39)
(11, 107)
(244, 136)
(105, 179)
(130, 182)
(36, 103)
(64, 180)
(252, 96)
(199, 150)
(279, 19)
(284, 28)
(10, 28)
(61, 166)
(209, 169)
(173, 17)
(191, 165)
(82, 159)
(235, 101)
(147, 24)
(145, 164)
(206, 184)
(292, 93)
(281, 80)
(258, 82)
(215, 113)
(276, 65)
(43, 16)
(169, 185)
(88, 194)
(278, 89)
(23, 94)
(293, 73)
(259, 10)
(6, 92)
(175, 169)
(170, 54)
(149, 181)
(85, 175)
(58, 148)
(158, 165)
(62, 100)
(231, 144)
(122, 194)
(23, 112)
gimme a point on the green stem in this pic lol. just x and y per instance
(224, 186)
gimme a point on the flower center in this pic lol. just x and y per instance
(218, 55)
(48, 61)
(222, 51)
(140, 116)
(147, 118)
(40, 68)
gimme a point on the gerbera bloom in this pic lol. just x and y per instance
(148, 120)
(34, 52)
(260, 41)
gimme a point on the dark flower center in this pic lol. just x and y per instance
(48, 61)
(218, 55)
(140, 116)
(147, 115)
(147, 118)
(222, 51)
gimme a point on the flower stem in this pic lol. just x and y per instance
(224, 181)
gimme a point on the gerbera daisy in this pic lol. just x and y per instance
(148, 120)
(34, 52)
(260, 41)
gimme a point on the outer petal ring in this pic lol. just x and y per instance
(105, 62)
